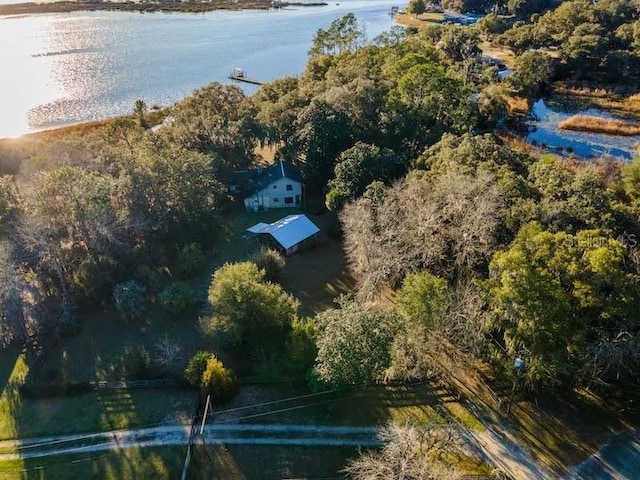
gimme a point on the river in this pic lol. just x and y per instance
(545, 131)
(68, 68)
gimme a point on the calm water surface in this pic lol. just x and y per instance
(545, 131)
(68, 68)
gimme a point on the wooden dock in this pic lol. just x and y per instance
(242, 78)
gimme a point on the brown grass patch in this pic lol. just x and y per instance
(420, 20)
(610, 126)
(516, 105)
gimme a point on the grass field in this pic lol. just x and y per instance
(315, 276)
(419, 20)
(375, 405)
(93, 412)
(131, 464)
(240, 462)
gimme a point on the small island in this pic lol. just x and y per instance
(591, 124)
(149, 6)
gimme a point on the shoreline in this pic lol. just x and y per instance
(153, 118)
(31, 8)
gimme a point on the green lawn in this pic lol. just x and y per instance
(93, 412)
(246, 462)
(130, 464)
(315, 276)
(372, 406)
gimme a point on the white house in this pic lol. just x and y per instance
(287, 234)
(276, 186)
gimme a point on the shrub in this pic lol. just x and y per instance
(196, 367)
(129, 300)
(93, 279)
(153, 279)
(271, 262)
(190, 260)
(218, 380)
(255, 315)
(301, 347)
(135, 362)
(335, 199)
(177, 298)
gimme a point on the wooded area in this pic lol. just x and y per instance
(465, 248)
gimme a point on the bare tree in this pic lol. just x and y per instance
(168, 353)
(446, 224)
(410, 453)
(612, 358)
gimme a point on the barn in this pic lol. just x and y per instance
(287, 234)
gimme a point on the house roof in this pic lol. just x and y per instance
(257, 228)
(288, 231)
(257, 179)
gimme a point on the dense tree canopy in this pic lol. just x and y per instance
(593, 39)
(354, 344)
(216, 119)
(418, 224)
(396, 136)
(253, 313)
(558, 295)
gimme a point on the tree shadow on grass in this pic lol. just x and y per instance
(249, 462)
(8, 358)
(565, 429)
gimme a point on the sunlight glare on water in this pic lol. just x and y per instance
(61, 69)
(25, 80)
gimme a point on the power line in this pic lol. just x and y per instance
(79, 437)
(231, 420)
(277, 401)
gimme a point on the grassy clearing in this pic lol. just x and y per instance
(93, 412)
(239, 462)
(501, 53)
(464, 416)
(609, 126)
(129, 464)
(419, 404)
(418, 21)
(375, 405)
(315, 276)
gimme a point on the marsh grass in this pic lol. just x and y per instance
(610, 126)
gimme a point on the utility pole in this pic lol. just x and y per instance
(187, 460)
(517, 364)
(204, 416)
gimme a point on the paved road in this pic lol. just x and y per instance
(618, 459)
(298, 435)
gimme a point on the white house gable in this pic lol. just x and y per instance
(282, 192)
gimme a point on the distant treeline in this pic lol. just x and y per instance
(187, 7)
